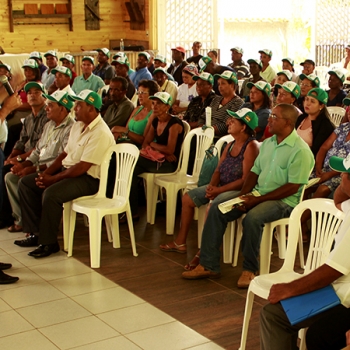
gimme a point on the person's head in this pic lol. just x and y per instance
(346, 103)
(265, 56)
(196, 47)
(87, 106)
(336, 79)
(205, 82)
(178, 54)
(213, 54)
(227, 82)
(5, 69)
(160, 76)
(288, 92)
(117, 89)
(103, 55)
(87, 65)
(342, 165)
(308, 66)
(146, 89)
(188, 72)
(315, 102)
(51, 59)
(288, 64)
(243, 121)
(255, 67)
(143, 59)
(347, 50)
(31, 70)
(63, 75)
(121, 66)
(36, 56)
(283, 76)
(161, 102)
(35, 93)
(206, 65)
(308, 82)
(282, 119)
(68, 61)
(119, 54)
(159, 61)
(58, 106)
(236, 54)
(151, 57)
(260, 94)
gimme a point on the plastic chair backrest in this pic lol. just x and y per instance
(126, 157)
(187, 128)
(336, 114)
(221, 142)
(325, 222)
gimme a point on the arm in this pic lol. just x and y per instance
(10, 104)
(340, 196)
(169, 149)
(321, 154)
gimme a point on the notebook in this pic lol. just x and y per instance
(301, 307)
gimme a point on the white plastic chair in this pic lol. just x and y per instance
(148, 180)
(322, 73)
(98, 206)
(336, 114)
(325, 222)
(173, 183)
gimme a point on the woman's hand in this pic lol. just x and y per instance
(212, 192)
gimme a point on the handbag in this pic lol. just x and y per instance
(210, 162)
(152, 154)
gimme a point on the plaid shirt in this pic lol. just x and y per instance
(197, 107)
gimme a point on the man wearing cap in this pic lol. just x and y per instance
(327, 329)
(122, 66)
(141, 70)
(308, 82)
(73, 174)
(47, 77)
(122, 54)
(51, 143)
(35, 55)
(159, 61)
(119, 112)
(336, 94)
(281, 169)
(104, 70)
(63, 76)
(240, 67)
(161, 76)
(267, 72)
(255, 67)
(69, 62)
(204, 87)
(178, 56)
(308, 68)
(150, 65)
(288, 64)
(196, 56)
(88, 80)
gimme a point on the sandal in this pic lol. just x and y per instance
(15, 228)
(192, 264)
(175, 248)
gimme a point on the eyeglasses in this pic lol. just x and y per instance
(142, 92)
(274, 117)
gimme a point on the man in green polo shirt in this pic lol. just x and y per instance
(281, 168)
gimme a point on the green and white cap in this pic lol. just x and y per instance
(203, 62)
(287, 73)
(289, 60)
(104, 50)
(266, 52)
(252, 60)
(160, 58)
(63, 70)
(246, 115)
(30, 63)
(6, 66)
(34, 84)
(145, 54)
(340, 164)
(163, 97)
(204, 76)
(89, 97)
(50, 53)
(119, 54)
(319, 94)
(339, 73)
(60, 97)
(121, 60)
(68, 57)
(311, 77)
(160, 69)
(291, 87)
(35, 54)
(346, 101)
(238, 49)
(227, 75)
(262, 86)
(88, 58)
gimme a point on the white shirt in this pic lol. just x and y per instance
(185, 94)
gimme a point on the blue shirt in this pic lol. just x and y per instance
(140, 74)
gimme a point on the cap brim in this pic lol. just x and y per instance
(346, 101)
(336, 163)
(232, 114)
(157, 98)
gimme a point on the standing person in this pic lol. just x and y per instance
(240, 67)
(175, 69)
(255, 67)
(47, 78)
(69, 62)
(267, 72)
(104, 70)
(213, 54)
(141, 71)
(336, 94)
(346, 63)
(197, 45)
(150, 65)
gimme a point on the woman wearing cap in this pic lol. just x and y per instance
(187, 91)
(336, 94)
(141, 118)
(234, 165)
(165, 135)
(282, 77)
(308, 82)
(314, 126)
(260, 103)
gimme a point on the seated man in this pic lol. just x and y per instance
(241, 68)
(281, 168)
(51, 143)
(68, 61)
(160, 75)
(308, 68)
(104, 70)
(327, 329)
(47, 78)
(141, 71)
(159, 61)
(73, 174)
(255, 67)
(122, 66)
(63, 76)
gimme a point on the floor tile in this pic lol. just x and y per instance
(12, 323)
(53, 312)
(206, 346)
(171, 336)
(11, 248)
(29, 261)
(4, 306)
(78, 332)
(12, 260)
(10, 236)
(135, 318)
(106, 300)
(24, 341)
(114, 343)
(26, 277)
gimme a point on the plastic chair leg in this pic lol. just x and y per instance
(72, 217)
(239, 231)
(67, 207)
(302, 334)
(228, 241)
(281, 241)
(153, 195)
(171, 210)
(114, 220)
(246, 319)
(95, 238)
(131, 230)
(109, 228)
(301, 251)
(265, 249)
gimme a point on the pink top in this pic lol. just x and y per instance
(305, 134)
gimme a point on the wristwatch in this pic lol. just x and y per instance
(19, 159)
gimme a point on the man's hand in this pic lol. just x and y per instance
(26, 171)
(17, 168)
(11, 161)
(212, 192)
(250, 202)
(11, 103)
(44, 180)
(170, 158)
(279, 292)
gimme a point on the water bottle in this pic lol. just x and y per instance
(121, 46)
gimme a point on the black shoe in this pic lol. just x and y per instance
(5, 266)
(45, 250)
(31, 241)
(6, 279)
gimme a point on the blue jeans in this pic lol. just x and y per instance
(253, 225)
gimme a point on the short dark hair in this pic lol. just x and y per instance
(151, 85)
(290, 112)
(121, 80)
(214, 52)
(197, 42)
(248, 130)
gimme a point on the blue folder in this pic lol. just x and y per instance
(301, 307)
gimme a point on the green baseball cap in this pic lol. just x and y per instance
(289, 60)
(311, 77)
(338, 73)
(61, 97)
(346, 101)
(121, 60)
(340, 164)
(35, 54)
(252, 60)
(88, 58)
(6, 66)
(319, 94)
(69, 58)
(160, 58)
(203, 62)
(30, 63)
(227, 75)
(160, 69)
(238, 49)
(50, 53)
(34, 84)
(89, 97)
(104, 50)
(287, 73)
(145, 54)
(266, 52)
(204, 76)
(163, 97)
(63, 70)
(291, 87)
(246, 115)
(262, 86)
(119, 54)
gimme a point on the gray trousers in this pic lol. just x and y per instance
(42, 208)
(11, 182)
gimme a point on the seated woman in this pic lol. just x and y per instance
(336, 94)
(281, 78)
(165, 135)
(227, 180)
(186, 92)
(314, 126)
(260, 104)
(141, 118)
(308, 82)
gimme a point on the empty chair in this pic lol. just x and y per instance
(336, 114)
